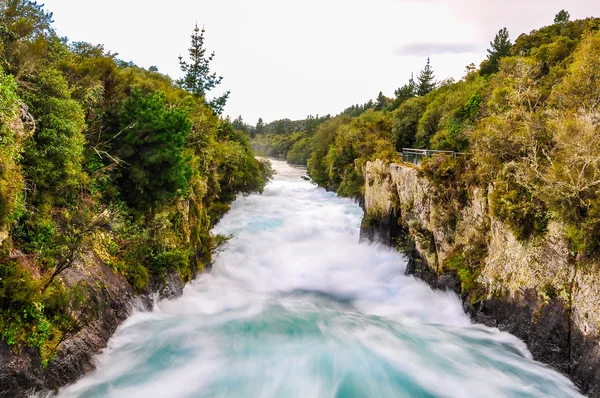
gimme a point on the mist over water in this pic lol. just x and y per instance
(296, 307)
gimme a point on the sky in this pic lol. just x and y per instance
(293, 58)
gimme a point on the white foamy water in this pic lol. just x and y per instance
(296, 307)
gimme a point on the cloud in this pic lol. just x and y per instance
(427, 49)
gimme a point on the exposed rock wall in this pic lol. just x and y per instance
(536, 290)
(22, 372)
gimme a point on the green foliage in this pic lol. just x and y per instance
(358, 109)
(53, 159)
(406, 122)
(178, 260)
(364, 138)
(527, 44)
(239, 171)
(288, 127)
(198, 78)
(151, 140)
(260, 126)
(514, 205)
(450, 179)
(466, 270)
(383, 102)
(26, 33)
(32, 317)
(405, 242)
(426, 80)
(562, 17)
(11, 179)
(300, 151)
(571, 173)
(499, 48)
(405, 93)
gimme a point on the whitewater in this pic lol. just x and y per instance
(295, 306)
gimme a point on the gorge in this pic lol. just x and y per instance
(146, 249)
(295, 306)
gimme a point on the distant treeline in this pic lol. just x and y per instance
(529, 115)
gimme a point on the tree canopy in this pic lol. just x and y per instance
(562, 17)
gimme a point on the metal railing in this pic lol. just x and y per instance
(416, 156)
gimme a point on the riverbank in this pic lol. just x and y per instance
(295, 306)
(535, 290)
(22, 372)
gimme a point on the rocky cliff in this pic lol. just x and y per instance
(536, 290)
(21, 370)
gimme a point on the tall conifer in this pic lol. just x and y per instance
(426, 79)
(500, 47)
(198, 79)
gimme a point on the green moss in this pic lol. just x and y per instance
(467, 261)
(372, 218)
(404, 242)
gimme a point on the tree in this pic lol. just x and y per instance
(426, 79)
(239, 124)
(11, 178)
(78, 226)
(260, 126)
(405, 92)
(53, 158)
(310, 124)
(151, 141)
(500, 47)
(382, 103)
(406, 122)
(25, 30)
(562, 17)
(198, 78)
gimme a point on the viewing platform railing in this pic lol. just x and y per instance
(416, 156)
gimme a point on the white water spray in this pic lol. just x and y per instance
(296, 307)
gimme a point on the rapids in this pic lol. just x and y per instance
(296, 307)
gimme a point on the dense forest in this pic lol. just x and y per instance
(101, 160)
(528, 116)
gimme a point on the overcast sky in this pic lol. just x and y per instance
(284, 58)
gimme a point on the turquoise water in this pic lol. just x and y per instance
(296, 307)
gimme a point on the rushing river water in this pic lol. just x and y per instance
(296, 307)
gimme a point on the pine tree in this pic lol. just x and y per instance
(500, 47)
(562, 17)
(310, 124)
(405, 92)
(198, 79)
(382, 103)
(426, 79)
(260, 126)
(239, 124)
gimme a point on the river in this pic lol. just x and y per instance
(296, 307)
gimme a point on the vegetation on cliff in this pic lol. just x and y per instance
(529, 117)
(101, 160)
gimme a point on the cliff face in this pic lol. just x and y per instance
(536, 290)
(21, 371)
